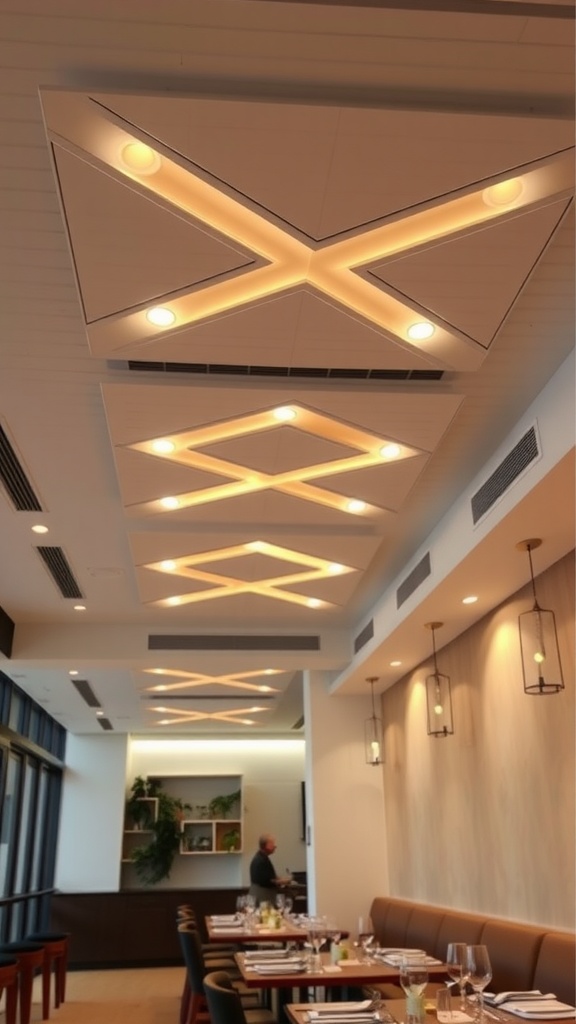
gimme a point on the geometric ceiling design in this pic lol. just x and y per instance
(263, 322)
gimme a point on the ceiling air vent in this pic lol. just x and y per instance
(105, 724)
(86, 692)
(413, 580)
(58, 567)
(505, 474)
(242, 370)
(161, 642)
(364, 636)
(15, 480)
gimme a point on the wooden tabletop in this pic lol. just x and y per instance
(289, 932)
(297, 1013)
(348, 972)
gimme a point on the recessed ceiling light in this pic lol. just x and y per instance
(162, 446)
(355, 505)
(170, 502)
(39, 528)
(73, 672)
(471, 599)
(395, 664)
(99, 714)
(79, 607)
(284, 413)
(140, 158)
(505, 193)
(420, 331)
(160, 316)
(390, 451)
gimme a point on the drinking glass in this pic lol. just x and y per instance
(280, 901)
(317, 935)
(288, 904)
(457, 968)
(479, 974)
(413, 978)
(444, 1003)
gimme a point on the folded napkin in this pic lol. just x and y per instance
(332, 1009)
(284, 967)
(267, 954)
(496, 998)
(225, 919)
(540, 1009)
(225, 929)
(343, 1018)
(403, 952)
(394, 959)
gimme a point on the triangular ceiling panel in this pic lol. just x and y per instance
(471, 281)
(127, 249)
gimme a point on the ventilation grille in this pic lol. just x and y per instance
(241, 370)
(505, 474)
(230, 698)
(413, 580)
(364, 636)
(105, 724)
(15, 480)
(161, 642)
(86, 692)
(58, 567)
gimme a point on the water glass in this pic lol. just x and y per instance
(444, 1004)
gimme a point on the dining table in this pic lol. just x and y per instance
(394, 1012)
(228, 928)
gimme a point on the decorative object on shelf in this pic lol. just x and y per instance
(373, 732)
(153, 862)
(140, 806)
(540, 655)
(221, 806)
(231, 841)
(438, 695)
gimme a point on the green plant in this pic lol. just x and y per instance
(231, 840)
(138, 809)
(220, 806)
(153, 862)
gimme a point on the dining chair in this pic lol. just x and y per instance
(225, 1005)
(9, 984)
(55, 960)
(185, 912)
(30, 957)
(193, 1002)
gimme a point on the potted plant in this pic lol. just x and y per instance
(154, 861)
(231, 840)
(220, 806)
(139, 806)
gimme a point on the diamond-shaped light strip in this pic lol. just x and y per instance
(229, 586)
(191, 680)
(182, 447)
(179, 715)
(291, 262)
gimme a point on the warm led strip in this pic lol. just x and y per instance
(229, 586)
(190, 680)
(180, 716)
(183, 449)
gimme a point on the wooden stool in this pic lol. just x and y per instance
(30, 958)
(55, 956)
(9, 981)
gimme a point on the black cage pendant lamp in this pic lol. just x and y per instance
(541, 667)
(373, 732)
(438, 695)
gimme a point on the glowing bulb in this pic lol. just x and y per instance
(375, 749)
(162, 446)
(420, 331)
(39, 529)
(504, 193)
(539, 657)
(169, 503)
(355, 505)
(284, 413)
(168, 565)
(160, 316)
(438, 709)
(141, 159)
(390, 451)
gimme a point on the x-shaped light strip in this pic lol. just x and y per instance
(229, 586)
(179, 715)
(370, 450)
(191, 680)
(291, 263)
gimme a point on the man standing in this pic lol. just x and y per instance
(264, 882)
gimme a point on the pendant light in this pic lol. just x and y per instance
(541, 667)
(438, 695)
(373, 732)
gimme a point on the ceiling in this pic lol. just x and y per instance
(296, 189)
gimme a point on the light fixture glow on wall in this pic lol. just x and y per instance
(541, 667)
(438, 695)
(373, 732)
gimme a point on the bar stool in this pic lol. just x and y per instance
(55, 956)
(30, 958)
(9, 982)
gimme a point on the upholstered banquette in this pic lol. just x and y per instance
(523, 956)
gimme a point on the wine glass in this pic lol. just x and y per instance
(317, 936)
(413, 978)
(457, 968)
(288, 904)
(280, 902)
(479, 971)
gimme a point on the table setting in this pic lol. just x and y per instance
(532, 1005)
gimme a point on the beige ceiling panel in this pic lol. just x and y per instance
(471, 281)
(128, 250)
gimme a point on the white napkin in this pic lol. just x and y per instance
(286, 967)
(225, 929)
(266, 954)
(225, 919)
(335, 1008)
(540, 1009)
(345, 1018)
(495, 999)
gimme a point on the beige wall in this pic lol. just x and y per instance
(485, 819)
